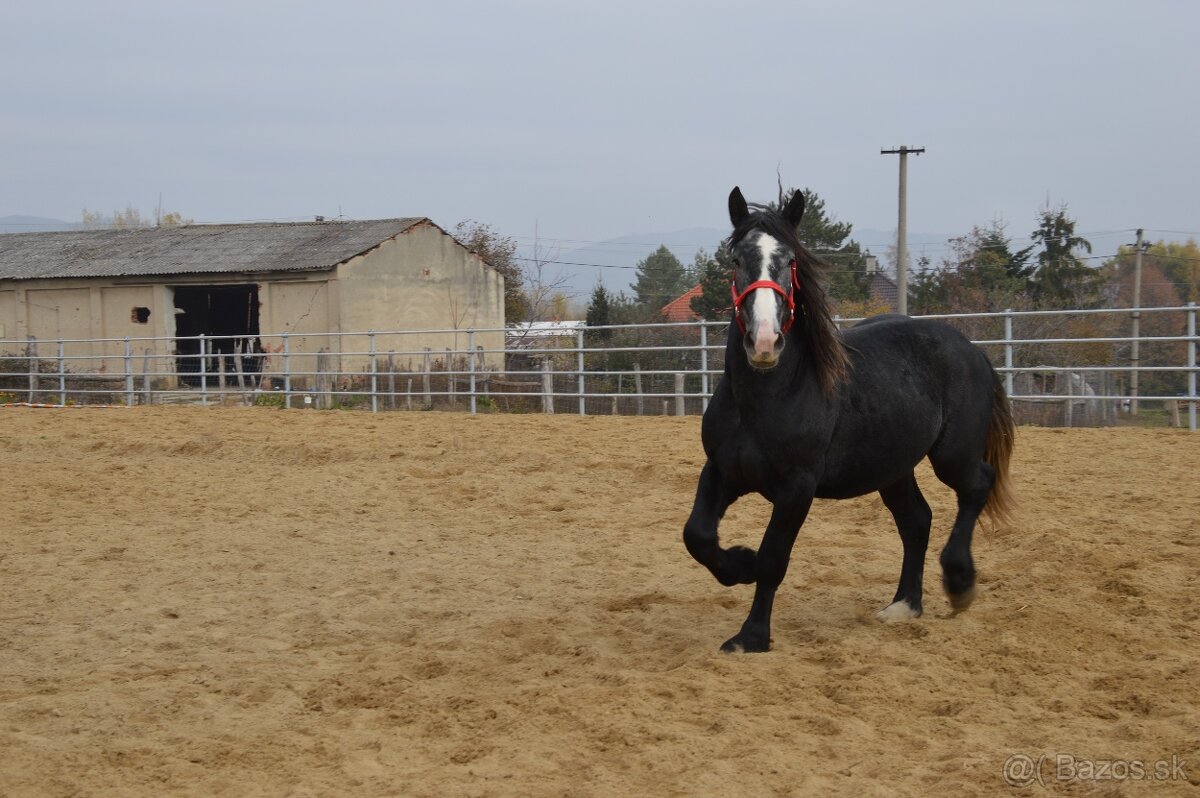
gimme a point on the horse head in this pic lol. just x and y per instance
(765, 284)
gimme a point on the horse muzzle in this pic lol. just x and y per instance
(763, 343)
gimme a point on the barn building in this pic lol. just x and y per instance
(252, 281)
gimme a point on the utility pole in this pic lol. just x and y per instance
(902, 226)
(1138, 249)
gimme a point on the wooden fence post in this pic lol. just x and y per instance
(547, 386)
(679, 406)
(637, 384)
(324, 379)
(425, 377)
(391, 367)
(239, 365)
(31, 360)
(147, 396)
(62, 374)
(1070, 404)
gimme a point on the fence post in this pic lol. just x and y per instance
(471, 346)
(547, 387)
(128, 373)
(637, 385)
(325, 380)
(147, 393)
(425, 378)
(1070, 412)
(391, 367)
(287, 372)
(579, 361)
(1192, 399)
(203, 371)
(62, 375)
(239, 347)
(1008, 351)
(31, 363)
(704, 366)
(679, 403)
(374, 372)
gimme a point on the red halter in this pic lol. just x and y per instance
(789, 296)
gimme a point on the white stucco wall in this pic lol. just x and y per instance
(423, 280)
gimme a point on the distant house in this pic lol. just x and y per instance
(249, 282)
(884, 291)
(881, 289)
(680, 308)
(542, 334)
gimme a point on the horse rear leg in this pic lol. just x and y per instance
(913, 518)
(971, 482)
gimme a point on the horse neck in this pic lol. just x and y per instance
(754, 389)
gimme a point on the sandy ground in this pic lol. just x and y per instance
(260, 602)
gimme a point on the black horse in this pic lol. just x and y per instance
(804, 411)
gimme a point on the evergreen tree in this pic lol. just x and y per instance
(660, 278)
(827, 238)
(1061, 278)
(819, 233)
(714, 273)
(599, 312)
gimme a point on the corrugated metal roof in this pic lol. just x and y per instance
(194, 249)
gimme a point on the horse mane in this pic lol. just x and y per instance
(814, 318)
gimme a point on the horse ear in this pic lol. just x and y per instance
(737, 207)
(794, 211)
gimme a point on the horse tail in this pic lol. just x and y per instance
(997, 452)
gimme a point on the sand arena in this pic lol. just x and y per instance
(260, 602)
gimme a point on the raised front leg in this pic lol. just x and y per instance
(731, 566)
(770, 566)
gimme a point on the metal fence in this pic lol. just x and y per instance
(1061, 368)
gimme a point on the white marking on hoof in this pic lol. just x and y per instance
(895, 612)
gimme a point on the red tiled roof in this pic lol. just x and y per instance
(884, 290)
(680, 309)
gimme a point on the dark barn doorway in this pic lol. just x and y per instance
(228, 314)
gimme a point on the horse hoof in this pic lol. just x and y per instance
(745, 645)
(896, 612)
(960, 601)
(737, 567)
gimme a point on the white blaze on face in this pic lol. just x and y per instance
(765, 330)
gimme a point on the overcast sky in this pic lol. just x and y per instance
(595, 120)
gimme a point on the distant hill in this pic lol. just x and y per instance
(34, 224)
(614, 261)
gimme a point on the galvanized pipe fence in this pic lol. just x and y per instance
(1063, 368)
